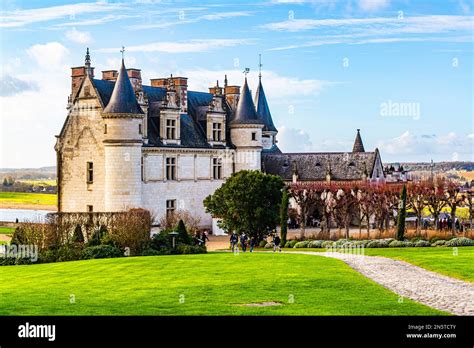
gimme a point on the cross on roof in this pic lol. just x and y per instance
(122, 51)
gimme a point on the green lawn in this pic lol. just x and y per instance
(441, 259)
(209, 284)
(15, 198)
(7, 230)
(437, 259)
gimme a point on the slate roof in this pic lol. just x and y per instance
(123, 100)
(358, 145)
(263, 111)
(315, 166)
(245, 112)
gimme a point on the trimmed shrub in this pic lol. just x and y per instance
(422, 243)
(439, 242)
(397, 244)
(462, 241)
(101, 252)
(341, 242)
(327, 244)
(361, 242)
(262, 243)
(99, 233)
(303, 244)
(409, 244)
(378, 243)
(315, 244)
(161, 242)
(292, 243)
(183, 236)
(78, 236)
(190, 249)
(269, 246)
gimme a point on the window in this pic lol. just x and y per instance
(217, 131)
(90, 172)
(171, 168)
(170, 129)
(140, 128)
(105, 128)
(254, 136)
(170, 206)
(142, 168)
(87, 91)
(90, 208)
(217, 168)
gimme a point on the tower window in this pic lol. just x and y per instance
(217, 168)
(217, 131)
(105, 128)
(170, 129)
(140, 128)
(171, 168)
(90, 208)
(170, 207)
(90, 172)
(254, 135)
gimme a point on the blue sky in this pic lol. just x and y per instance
(401, 71)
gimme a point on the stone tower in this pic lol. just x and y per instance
(123, 130)
(246, 133)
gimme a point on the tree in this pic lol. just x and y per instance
(469, 201)
(78, 236)
(453, 200)
(344, 208)
(284, 216)
(183, 236)
(249, 201)
(435, 199)
(305, 197)
(402, 213)
(417, 202)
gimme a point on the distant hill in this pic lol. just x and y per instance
(438, 167)
(29, 173)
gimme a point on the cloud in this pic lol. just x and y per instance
(294, 140)
(49, 56)
(95, 21)
(412, 144)
(80, 37)
(182, 19)
(19, 18)
(10, 85)
(184, 46)
(373, 5)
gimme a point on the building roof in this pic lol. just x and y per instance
(245, 112)
(123, 100)
(358, 145)
(263, 111)
(315, 166)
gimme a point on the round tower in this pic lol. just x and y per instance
(123, 129)
(246, 133)
(269, 130)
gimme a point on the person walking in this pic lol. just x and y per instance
(243, 241)
(204, 237)
(233, 241)
(252, 243)
(276, 242)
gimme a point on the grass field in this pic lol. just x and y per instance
(37, 182)
(209, 284)
(6, 230)
(12, 199)
(440, 259)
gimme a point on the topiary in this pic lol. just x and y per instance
(409, 244)
(292, 243)
(422, 243)
(262, 243)
(101, 252)
(315, 244)
(439, 242)
(462, 241)
(303, 244)
(183, 236)
(327, 244)
(77, 236)
(397, 244)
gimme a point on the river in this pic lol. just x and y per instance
(10, 215)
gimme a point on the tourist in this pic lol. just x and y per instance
(276, 242)
(252, 243)
(204, 238)
(243, 241)
(233, 241)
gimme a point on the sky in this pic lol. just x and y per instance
(401, 71)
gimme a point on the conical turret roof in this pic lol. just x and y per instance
(358, 145)
(123, 100)
(246, 113)
(263, 111)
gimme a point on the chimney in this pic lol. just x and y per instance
(109, 75)
(79, 73)
(135, 76)
(181, 88)
(216, 90)
(232, 94)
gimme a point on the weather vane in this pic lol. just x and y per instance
(246, 71)
(260, 65)
(122, 51)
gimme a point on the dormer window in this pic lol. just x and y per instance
(170, 129)
(317, 164)
(217, 131)
(352, 164)
(286, 164)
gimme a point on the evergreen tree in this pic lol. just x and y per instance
(183, 236)
(402, 213)
(284, 216)
(78, 236)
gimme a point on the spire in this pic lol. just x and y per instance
(87, 63)
(225, 81)
(263, 110)
(358, 145)
(259, 67)
(123, 100)
(245, 113)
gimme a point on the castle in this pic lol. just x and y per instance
(163, 147)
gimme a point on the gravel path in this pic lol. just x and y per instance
(430, 288)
